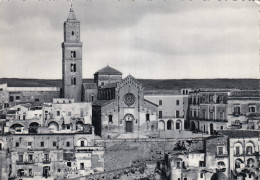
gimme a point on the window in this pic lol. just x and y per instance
(220, 151)
(147, 117)
(249, 150)
(46, 156)
(251, 109)
(177, 114)
(29, 143)
(210, 98)
(221, 127)
(6, 105)
(160, 102)
(211, 115)
(110, 119)
(178, 164)
(30, 157)
(221, 98)
(221, 163)
(203, 114)
(92, 98)
(11, 98)
(201, 175)
(69, 164)
(17, 98)
(82, 143)
(160, 114)
(30, 172)
(178, 125)
(58, 113)
(17, 144)
(249, 175)
(73, 67)
(185, 179)
(42, 144)
(201, 164)
(73, 81)
(20, 158)
(1, 146)
(236, 110)
(177, 102)
(24, 117)
(195, 113)
(54, 143)
(68, 126)
(68, 144)
(36, 100)
(72, 33)
(73, 54)
(81, 166)
(237, 151)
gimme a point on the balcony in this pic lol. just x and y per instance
(25, 162)
(221, 169)
(221, 155)
(46, 161)
(88, 148)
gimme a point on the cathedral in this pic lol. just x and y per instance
(118, 105)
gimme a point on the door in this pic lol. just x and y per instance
(129, 126)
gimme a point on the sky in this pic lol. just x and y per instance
(149, 39)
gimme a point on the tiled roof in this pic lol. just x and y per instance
(102, 102)
(89, 86)
(108, 71)
(240, 133)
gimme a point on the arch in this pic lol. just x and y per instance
(193, 126)
(33, 127)
(169, 124)
(250, 148)
(161, 125)
(179, 124)
(238, 162)
(219, 176)
(238, 148)
(250, 162)
(211, 128)
(17, 127)
(82, 142)
(79, 125)
(53, 126)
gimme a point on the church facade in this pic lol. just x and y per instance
(118, 104)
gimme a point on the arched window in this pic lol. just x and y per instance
(249, 150)
(147, 117)
(110, 119)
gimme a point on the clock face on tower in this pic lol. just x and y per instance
(129, 99)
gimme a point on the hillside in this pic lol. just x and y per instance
(149, 84)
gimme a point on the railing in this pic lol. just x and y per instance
(46, 161)
(25, 162)
(221, 155)
(88, 148)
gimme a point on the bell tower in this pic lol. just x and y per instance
(72, 59)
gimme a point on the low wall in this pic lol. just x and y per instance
(121, 153)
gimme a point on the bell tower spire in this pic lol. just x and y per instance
(72, 58)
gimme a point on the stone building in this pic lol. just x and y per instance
(121, 108)
(208, 110)
(52, 141)
(244, 109)
(172, 109)
(72, 59)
